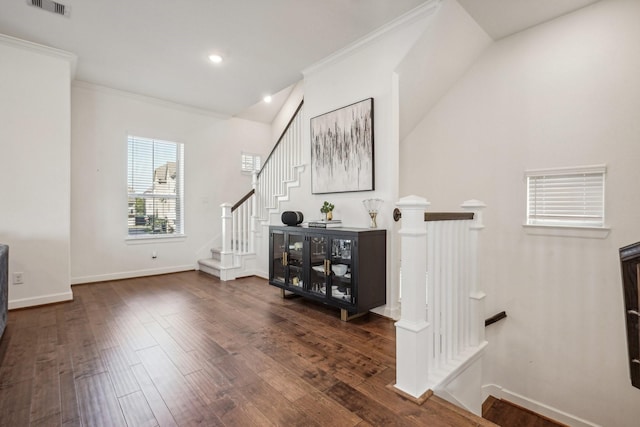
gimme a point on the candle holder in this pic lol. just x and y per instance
(373, 206)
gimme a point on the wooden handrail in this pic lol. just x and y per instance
(495, 318)
(438, 216)
(447, 216)
(281, 136)
(252, 192)
(244, 199)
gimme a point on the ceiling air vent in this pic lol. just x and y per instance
(51, 6)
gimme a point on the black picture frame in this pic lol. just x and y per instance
(342, 149)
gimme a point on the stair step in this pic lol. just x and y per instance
(505, 413)
(215, 253)
(438, 402)
(209, 266)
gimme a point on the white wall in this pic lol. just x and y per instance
(285, 114)
(101, 120)
(34, 162)
(438, 59)
(565, 93)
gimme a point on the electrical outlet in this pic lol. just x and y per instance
(18, 278)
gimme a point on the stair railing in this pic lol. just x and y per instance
(280, 166)
(439, 264)
(240, 221)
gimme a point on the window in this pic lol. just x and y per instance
(250, 163)
(571, 197)
(155, 177)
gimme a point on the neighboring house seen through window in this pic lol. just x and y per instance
(155, 182)
(569, 197)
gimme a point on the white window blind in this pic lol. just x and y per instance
(566, 197)
(155, 187)
(250, 163)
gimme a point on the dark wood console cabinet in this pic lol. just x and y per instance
(630, 264)
(4, 286)
(340, 267)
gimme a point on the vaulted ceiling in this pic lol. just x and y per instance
(160, 48)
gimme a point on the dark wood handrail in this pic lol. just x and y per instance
(447, 216)
(495, 318)
(250, 193)
(438, 216)
(281, 136)
(244, 199)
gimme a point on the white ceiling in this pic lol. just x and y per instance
(500, 18)
(160, 48)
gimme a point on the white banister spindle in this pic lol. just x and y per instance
(288, 156)
(475, 294)
(234, 231)
(413, 345)
(243, 227)
(254, 224)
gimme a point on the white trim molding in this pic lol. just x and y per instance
(40, 300)
(72, 58)
(535, 406)
(81, 84)
(425, 10)
(131, 274)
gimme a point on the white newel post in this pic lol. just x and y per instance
(476, 296)
(255, 229)
(226, 255)
(413, 345)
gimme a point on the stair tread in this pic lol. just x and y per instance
(435, 400)
(210, 262)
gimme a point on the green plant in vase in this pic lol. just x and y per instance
(327, 210)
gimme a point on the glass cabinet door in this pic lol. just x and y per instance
(340, 261)
(318, 249)
(295, 260)
(279, 257)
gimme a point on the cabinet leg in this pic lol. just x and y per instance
(345, 317)
(282, 293)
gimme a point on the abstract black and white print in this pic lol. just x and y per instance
(342, 149)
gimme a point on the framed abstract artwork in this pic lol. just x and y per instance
(342, 149)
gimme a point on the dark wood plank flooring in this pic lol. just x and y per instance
(507, 414)
(186, 349)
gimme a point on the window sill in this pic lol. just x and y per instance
(158, 238)
(567, 231)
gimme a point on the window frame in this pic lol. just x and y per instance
(178, 195)
(256, 163)
(574, 224)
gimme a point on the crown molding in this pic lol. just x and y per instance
(423, 11)
(71, 58)
(147, 99)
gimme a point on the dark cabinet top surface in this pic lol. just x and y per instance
(330, 230)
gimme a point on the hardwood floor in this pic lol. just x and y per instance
(507, 414)
(186, 349)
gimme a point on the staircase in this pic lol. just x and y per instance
(242, 222)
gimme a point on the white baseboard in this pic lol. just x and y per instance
(261, 274)
(131, 274)
(535, 406)
(40, 300)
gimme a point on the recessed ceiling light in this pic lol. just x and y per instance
(267, 99)
(216, 59)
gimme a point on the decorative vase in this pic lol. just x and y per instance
(329, 216)
(372, 206)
